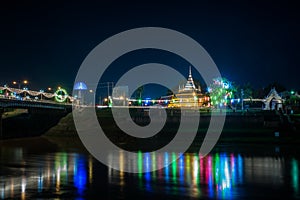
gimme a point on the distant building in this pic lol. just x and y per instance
(189, 96)
(81, 89)
(120, 96)
(273, 101)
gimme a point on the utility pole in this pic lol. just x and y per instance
(242, 97)
(107, 89)
(1, 131)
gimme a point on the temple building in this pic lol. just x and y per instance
(189, 96)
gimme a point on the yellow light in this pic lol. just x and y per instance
(59, 87)
(90, 91)
(49, 88)
(25, 81)
(14, 82)
(105, 99)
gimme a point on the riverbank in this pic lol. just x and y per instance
(22, 123)
(241, 128)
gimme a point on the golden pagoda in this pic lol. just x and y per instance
(189, 96)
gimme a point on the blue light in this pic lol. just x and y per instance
(181, 169)
(166, 167)
(80, 86)
(147, 164)
(40, 182)
(80, 175)
(147, 101)
(240, 168)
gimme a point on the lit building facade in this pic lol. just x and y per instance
(189, 96)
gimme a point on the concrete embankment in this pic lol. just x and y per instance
(258, 127)
(30, 123)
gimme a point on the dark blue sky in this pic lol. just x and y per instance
(250, 42)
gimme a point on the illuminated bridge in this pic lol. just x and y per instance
(26, 112)
(23, 98)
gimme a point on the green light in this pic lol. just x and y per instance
(295, 175)
(174, 167)
(61, 95)
(1, 91)
(216, 168)
(140, 162)
(139, 101)
(64, 164)
(153, 165)
(292, 92)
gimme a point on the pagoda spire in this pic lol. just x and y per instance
(190, 83)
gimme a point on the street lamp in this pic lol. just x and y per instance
(42, 91)
(25, 82)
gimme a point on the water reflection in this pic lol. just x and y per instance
(54, 173)
(213, 176)
(216, 176)
(295, 176)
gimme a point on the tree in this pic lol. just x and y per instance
(202, 86)
(221, 91)
(139, 92)
(248, 91)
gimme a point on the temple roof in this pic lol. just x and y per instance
(189, 86)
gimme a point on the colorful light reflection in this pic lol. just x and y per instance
(214, 175)
(60, 169)
(295, 176)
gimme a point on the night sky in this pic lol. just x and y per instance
(46, 43)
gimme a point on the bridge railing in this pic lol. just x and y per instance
(39, 96)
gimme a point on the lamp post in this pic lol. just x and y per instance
(25, 82)
(42, 91)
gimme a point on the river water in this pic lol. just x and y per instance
(38, 168)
